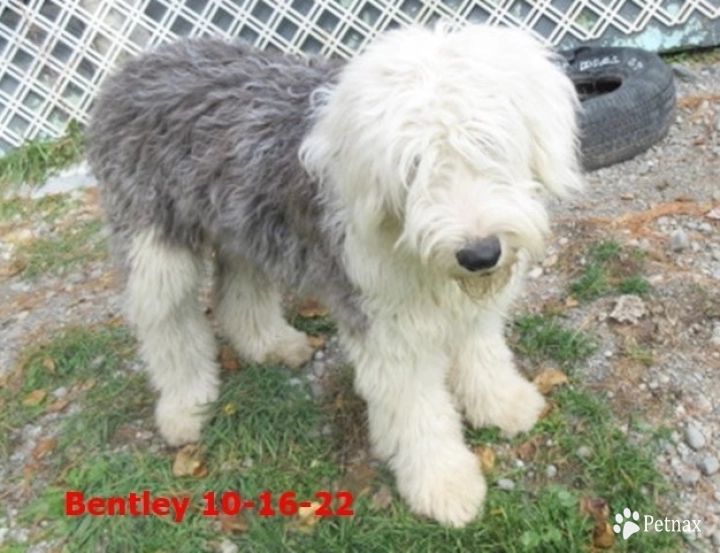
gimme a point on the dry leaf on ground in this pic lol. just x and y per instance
(58, 405)
(49, 364)
(233, 524)
(598, 509)
(549, 379)
(316, 342)
(486, 456)
(229, 359)
(14, 268)
(381, 499)
(311, 308)
(43, 447)
(526, 450)
(36, 397)
(190, 461)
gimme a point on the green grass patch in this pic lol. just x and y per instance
(77, 358)
(47, 208)
(610, 268)
(543, 337)
(59, 252)
(267, 433)
(37, 160)
(637, 285)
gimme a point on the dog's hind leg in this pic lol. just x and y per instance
(176, 340)
(248, 307)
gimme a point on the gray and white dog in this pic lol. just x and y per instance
(404, 188)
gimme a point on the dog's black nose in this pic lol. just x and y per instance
(480, 255)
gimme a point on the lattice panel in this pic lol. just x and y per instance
(55, 53)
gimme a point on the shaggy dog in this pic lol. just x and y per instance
(404, 189)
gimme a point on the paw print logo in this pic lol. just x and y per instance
(628, 527)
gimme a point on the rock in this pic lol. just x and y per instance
(679, 240)
(689, 477)
(709, 465)
(584, 451)
(535, 273)
(629, 308)
(551, 471)
(506, 484)
(715, 538)
(694, 438)
(226, 546)
(715, 338)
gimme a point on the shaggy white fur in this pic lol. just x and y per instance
(433, 151)
(474, 126)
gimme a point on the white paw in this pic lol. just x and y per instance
(180, 422)
(522, 411)
(448, 487)
(514, 406)
(293, 350)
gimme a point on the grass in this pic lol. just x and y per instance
(267, 434)
(37, 160)
(47, 208)
(62, 250)
(610, 268)
(543, 337)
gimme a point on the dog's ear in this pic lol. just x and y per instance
(553, 122)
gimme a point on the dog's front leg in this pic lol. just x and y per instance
(486, 383)
(414, 424)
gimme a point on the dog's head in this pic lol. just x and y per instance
(450, 140)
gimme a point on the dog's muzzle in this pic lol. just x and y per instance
(480, 255)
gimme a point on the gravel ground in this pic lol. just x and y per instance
(665, 202)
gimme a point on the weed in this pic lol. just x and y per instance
(37, 160)
(56, 254)
(637, 285)
(542, 337)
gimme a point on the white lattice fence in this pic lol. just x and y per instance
(55, 53)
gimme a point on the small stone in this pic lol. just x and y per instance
(551, 471)
(689, 477)
(319, 354)
(715, 538)
(317, 389)
(506, 484)
(60, 392)
(694, 437)
(709, 465)
(679, 240)
(584, 451)
(535, 273)
(226, 546)
(629, 308)
(608, 354)
(715, 338)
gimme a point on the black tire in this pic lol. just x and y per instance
(628, 101)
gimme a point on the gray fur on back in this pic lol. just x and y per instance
(199, 141)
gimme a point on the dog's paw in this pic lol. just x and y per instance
(522, 410)
(514, 407)
(294, 350)
(180, 423)
(449, 487)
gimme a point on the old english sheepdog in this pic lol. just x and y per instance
(404, 188)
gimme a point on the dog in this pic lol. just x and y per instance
(405, 188)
